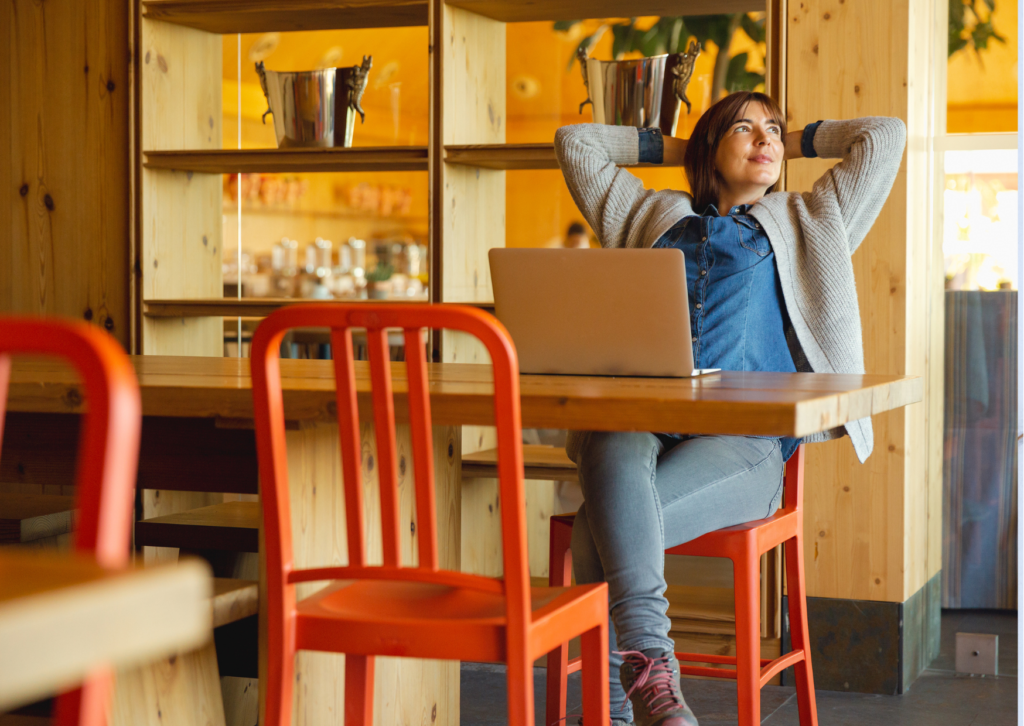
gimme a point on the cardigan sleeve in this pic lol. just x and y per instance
(615, 203)
(871, 150)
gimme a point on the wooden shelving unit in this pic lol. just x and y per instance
(262, 16)
(244, 161)
(522, 11)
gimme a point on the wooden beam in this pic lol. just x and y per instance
(521, 11)
(264, 16)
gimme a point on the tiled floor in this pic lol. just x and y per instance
(938, 698)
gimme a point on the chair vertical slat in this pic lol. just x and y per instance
(351, 445)
(5, 377)
(384, 423)
(422, 447)
(794, 490)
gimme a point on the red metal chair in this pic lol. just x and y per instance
(107, 459)
(743, 544)
(423, 611)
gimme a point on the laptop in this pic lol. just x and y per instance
(596, 312)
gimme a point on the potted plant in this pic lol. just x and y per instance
(377, 282)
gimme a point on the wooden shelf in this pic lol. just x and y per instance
(503, 156)
(521, 11)
(509, 157)
(262, 16)
(259, 307)
(234, 161)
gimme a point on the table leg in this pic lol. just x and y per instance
(407, 690)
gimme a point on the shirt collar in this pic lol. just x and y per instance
(712, 211)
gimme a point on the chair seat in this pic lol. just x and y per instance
(762, 534)
(426, 620)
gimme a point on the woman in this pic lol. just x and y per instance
(771, 288)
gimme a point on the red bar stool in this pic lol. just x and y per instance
(107, 459)
(743, 544)
(418, 611)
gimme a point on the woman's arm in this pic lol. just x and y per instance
(871, 150)
(620, 210)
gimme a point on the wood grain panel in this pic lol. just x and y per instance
(64, 162)
(181, 211)
(181, 690)
(865, 524)
(472, 200)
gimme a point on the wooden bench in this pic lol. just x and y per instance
(35, 518)
(548, 463)
(231, 526)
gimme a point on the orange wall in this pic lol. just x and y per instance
(982, 87)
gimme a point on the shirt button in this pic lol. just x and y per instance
(695, 339)
(699, 306)
(703, 239)
(703, 272)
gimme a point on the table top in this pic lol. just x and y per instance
(62, 615)
(776, 404)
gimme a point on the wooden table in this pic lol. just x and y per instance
(781, 404)
(61, 616)
(191, 404)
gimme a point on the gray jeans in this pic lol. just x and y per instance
(644, 493)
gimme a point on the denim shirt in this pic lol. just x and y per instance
(738, 317)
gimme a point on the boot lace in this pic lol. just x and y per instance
(655, 682)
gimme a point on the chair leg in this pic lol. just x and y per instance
(359, 671)
(803, 673)
(280, 679)
(88, 704)
(748, 639)
(519, 678)
(559, 575)
(596, 709)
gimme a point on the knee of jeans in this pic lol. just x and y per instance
(617, 448)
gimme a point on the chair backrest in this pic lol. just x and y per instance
(793, 494)
(108, 453)
(108, 447)
(268, 403)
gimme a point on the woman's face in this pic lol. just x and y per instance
(749, 156)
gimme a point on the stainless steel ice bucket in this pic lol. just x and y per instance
(314, 108)
(302, 105)
(646, 93)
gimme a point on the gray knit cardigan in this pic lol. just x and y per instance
(813, 234)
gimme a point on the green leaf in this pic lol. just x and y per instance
(982, 33)
(738, 78)
(710, 27)
(755, 29)
(623, 39)
(564, 25)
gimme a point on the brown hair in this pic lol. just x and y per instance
(699, 160)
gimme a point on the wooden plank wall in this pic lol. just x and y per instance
(873, 530)
(64, 160)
